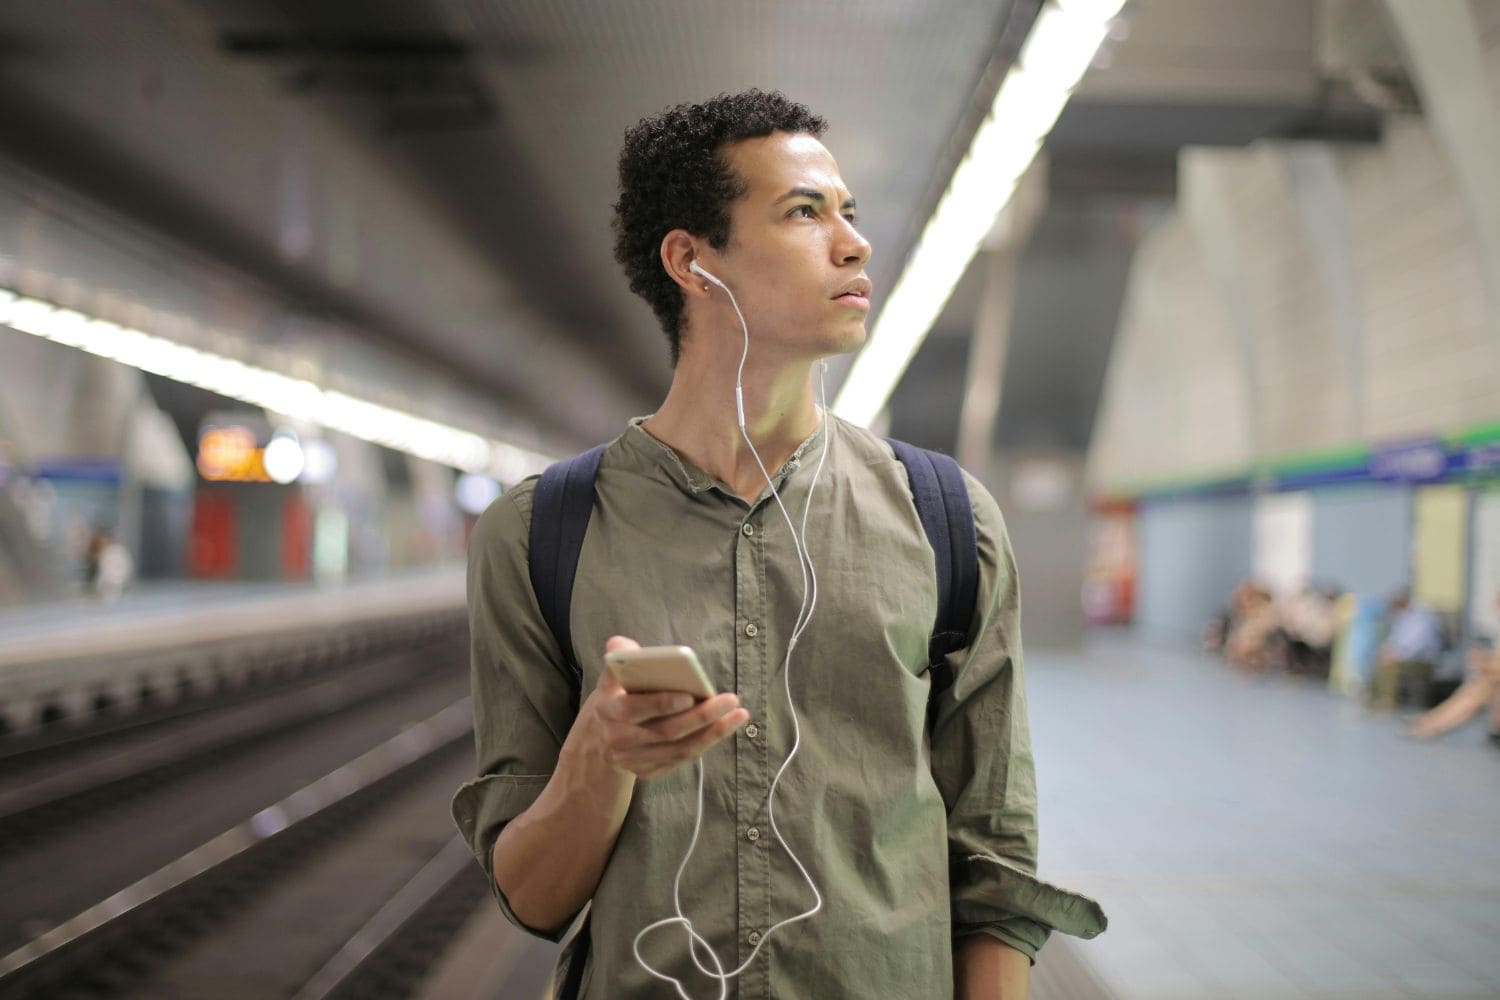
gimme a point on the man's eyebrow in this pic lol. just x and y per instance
(814, 194)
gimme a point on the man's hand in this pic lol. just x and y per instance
(650, 734)
(548, 860)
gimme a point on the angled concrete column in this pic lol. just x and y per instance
(986, 370)
(1442, 44)
(1205, 203)
(987, 350)
(1324, 213)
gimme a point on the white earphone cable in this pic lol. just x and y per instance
(804, 616)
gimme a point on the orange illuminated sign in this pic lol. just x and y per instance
(230, 454)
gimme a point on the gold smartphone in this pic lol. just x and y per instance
(660, 668)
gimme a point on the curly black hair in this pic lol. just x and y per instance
(674, 175)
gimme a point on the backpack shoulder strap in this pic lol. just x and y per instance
(560, 512)
(947, 514)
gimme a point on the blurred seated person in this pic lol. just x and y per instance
(1217, 629)
(1309, 623)
(1250, 640)
(1410, 651)
(1480, 688)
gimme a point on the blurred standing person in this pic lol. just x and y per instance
(116, 571)
(93, 552)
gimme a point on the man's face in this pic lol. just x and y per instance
(795, 261)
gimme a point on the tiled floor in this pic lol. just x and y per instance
(1259, 836)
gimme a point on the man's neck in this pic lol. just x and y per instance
(699, 420)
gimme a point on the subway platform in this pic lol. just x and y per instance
(1249, 836)
(67, 660)
(1259, 836)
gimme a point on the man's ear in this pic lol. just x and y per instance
(679, 249)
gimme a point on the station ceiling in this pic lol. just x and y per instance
(438, 174)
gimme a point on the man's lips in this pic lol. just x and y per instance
(856, 293)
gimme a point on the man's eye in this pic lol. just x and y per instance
(804, 208)
(853, 220)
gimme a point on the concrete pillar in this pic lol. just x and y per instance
(1041, 492)
(986, 369)
(987, 350)
(1442, 44)
(1205, 203)
(1319, 194)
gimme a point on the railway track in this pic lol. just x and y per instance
(64, 784)
(305, 897)
(289, 838)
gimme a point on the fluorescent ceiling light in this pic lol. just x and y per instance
(273, 391)
(1056, 53)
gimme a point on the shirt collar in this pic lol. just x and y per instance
(658, 454)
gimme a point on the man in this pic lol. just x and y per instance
(921, 844)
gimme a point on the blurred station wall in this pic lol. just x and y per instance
(1305, 383)
(90, 446)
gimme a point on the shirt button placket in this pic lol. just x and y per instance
(752, 769)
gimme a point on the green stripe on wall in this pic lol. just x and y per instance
(1486, 434)
(1329, 460)
(1326, 460)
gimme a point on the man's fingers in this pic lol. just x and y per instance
(634, 709)
(619, 642)
(626, 736)
(670, 728)
(662, 757)
(608, 682)
(609, 685)
(658, 758)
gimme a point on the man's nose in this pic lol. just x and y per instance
(853, 248)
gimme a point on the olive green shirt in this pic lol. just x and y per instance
(914, 839)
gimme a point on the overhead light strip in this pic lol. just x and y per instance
(1060, 47)
(296, 398)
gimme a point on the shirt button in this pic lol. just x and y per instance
(752, 834)
(753, 937)
(752, 629)
(752, 730)
(748, 529)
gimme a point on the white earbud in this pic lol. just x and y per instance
(696, 269)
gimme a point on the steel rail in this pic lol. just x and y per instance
(195, 737)
(256, 838)
(398, 914)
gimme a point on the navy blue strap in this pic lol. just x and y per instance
(947, 515)
(572, 983)
(560, 512)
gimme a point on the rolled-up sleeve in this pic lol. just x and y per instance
(522, 699)
(982, 763)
